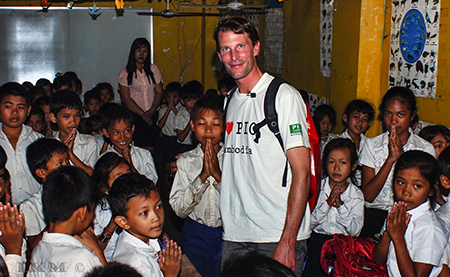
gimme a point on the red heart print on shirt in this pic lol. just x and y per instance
(229, 127)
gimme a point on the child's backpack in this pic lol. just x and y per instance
(272, 122)
(348, 256)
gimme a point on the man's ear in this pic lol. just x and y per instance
(105, 133)
(445, 182)
(52, 117)
(256, 48)
(220, 56)
(41, 173)
(122, 222)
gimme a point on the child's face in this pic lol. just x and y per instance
(173, 96)
(339, 165)
(440, 142)
(92, 106)
(46, 109)
(120, 134)
(357, 123)
(189, 103)
(57, 160)
(66, 120)
(36, 122)
(397, 115)
(105, 96)
(325, 125)
(118, 171)
(48, 90)
(411, 187)
(145, 216)
(207, 126)
(14, 111)
(5, 186)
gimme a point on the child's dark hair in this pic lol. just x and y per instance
(360, 106)
(444, 165)
(3, 157)
(126, 187)
(103, 168)
(116, 114)
(64, 99)
(90, 95)
(41, 151)
(14, 89)
(65, 190)
(254, 264)
(41, 101)
(90, 125)
(402, 94)
(430, 132)
(173, 86)
(340, 143)
(36, 110)
(320, 112)
(43, 82)
(424, 162)
(113, 269)
(227, 82)
(36, 93)
(213, 103)
(61, 81)
(106, 86)
(192, 90)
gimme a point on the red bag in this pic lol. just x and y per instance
(316, 174)
(348, 256)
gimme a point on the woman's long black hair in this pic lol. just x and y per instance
(131, 65)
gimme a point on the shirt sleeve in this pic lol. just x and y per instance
(319, 215)
(92, 153)
(150, 169)
(429, 244)
(180, 121)
(156, 73)
(351, 212)
(367, 157)
(123, 77)
(15, 264)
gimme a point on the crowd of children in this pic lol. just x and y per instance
(73, 183)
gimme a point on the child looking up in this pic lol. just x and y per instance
(190, 93)
(397, 109)
(413, 238)
(118, 127)
(138, 210)
(340, 207)
(438, 136)
(324, 119)
(166, 121)
(65, 112)
(36, 120)
(69, 197)
(15, 138)
(92, 102)
(196, 188)
(108, 168)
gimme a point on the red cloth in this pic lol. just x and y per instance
(316, 173)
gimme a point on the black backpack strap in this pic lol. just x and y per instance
(271, 118)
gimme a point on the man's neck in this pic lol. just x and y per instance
(247, 83)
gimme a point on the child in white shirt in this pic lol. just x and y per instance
(414, 238)
(196, 188)
(340, 207)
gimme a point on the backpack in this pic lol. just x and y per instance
(271, 120)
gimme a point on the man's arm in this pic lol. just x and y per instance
(300, 161)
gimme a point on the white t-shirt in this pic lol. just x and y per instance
(253, 202)
(142, 160)
(375, 153)
(23, 184)
(346, 219)
(189, 196)
(426, 239)
(85, 147)
(141, 256)
(181, 121)
(169, 128)
(61, 255)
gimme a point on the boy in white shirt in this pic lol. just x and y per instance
(190, 93)
(69, 197)
(138, 210)
(196, 188)
(65, 112)
(118, 127)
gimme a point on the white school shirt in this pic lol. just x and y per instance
(181, 121)
(426, 239)
(34, 214)
(142, 160)
(169, 128)
(362, 142)
(85, 147)
(61, 255)
(100, 141)
(23, 184)
(324, 143)
(103, 215)
(253, 202)
(15, 263)
(189, 196)
(347, 219)
(141, 256)
(443, 213)
(375, 153)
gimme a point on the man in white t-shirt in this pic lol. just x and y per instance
(258, 212)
